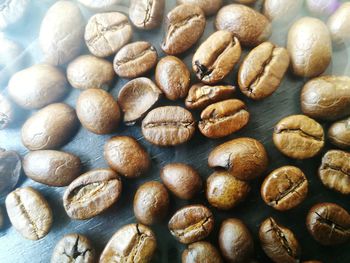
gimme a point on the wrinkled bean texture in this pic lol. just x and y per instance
(201, 252)
(339, 133)
(146, 14)
(7, 112)
(209, 7)
(10, 170)
(281, 10)
(339, 25)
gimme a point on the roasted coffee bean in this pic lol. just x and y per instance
(7, 112)
(224, 191)
(173, 77)
(223, 118)
(12, 12)
(185, 24)
(262, 71)
(281, 10)
(10, 170)
(146, 14)
(329, 224)
(168, 126)
(284, 188)
(126, 156)
(298, 137)
(73, 248)
(244, 158)
(309, 46)
(339, 133)
(181, 179)
(29, 213)
(97, 111)
(99, 4)
(151, 203)
(135, 59)
(191, 223)
(131, 243)
(278, 242)
(53, 168)
(92, 193)
(44, 84)
(339, 25)
(216, 57)
(209, 7)
(235, 241)
(201, 252)
(106, 33)
(249, 26)
(326, 97)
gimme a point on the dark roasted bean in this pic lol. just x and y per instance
(10, 170)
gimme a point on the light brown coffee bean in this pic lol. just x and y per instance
(281, 10)
(146, 14)
(209, 7)
(201, 252)
(7, 112)
(339, 133)
(339, 25)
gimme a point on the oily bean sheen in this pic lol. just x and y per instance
(53, 168)
(334, 171)
(298, 137)
(10, 170)
(146, 14)
(29, 213)
(284, 188)
(191, 223)
(328, 224)
(209, 7)
(131, 243)
(7, 112)
(216, 57)
(339, 25)
(92, 193)
(262, 70)
(326, 97)
(339, 133)
(223, 118)
(278, 242)
(185, 25)
(244, 158)
(49, 128)
(201, 252)
(135, 59)
(281, 10)
(168, 126)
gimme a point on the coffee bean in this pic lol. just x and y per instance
(209, 7)
(181, 179)
(278, 242)
(201, 252)
(235, 241)
(135, 59)
(99, 4)
(126, 156)
(92, 193)
(191, 223)
(224, 191)
(298, 137)
(339, 133)
(146, 14)
(168, 126)
(29, 213)
(326, 97)
(11, 12)
(284, 188)
(53, 168)
(7, 112)
(328, 224)
(282, 10)
(216, 57)
(244, 158)
(73, 248)
(338, 25)
(10, 170)
(106, 33)
(223, 118)
(131, 243)
(262, 70)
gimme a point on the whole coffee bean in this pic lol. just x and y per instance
(126, 156)
(12, 11)
(284, 188)
(181, 179)
(106, 33)
(339, 133)
(146, 14)
(99, 4)
(63, 21)
(10, 170)
(216, 57)
(29, 213)
(201, 252)
(249, 26)
(89, 72)
(244, 158)
(281, 10)
(209, 7)
(262, 70)
(309, 46)
(223, 118)
(339, 25)
(135, 59)
(7, 112)
(97, 111)
(53, 168)
(73, 248)
(278, 242)
(224, 191)
(151, 203)
(235, 241)
(326, 97)
(92, 193)
(168, 126)
(328, 224)
(173, 77)
(298, 137)
(191, 223)
(131, 243)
